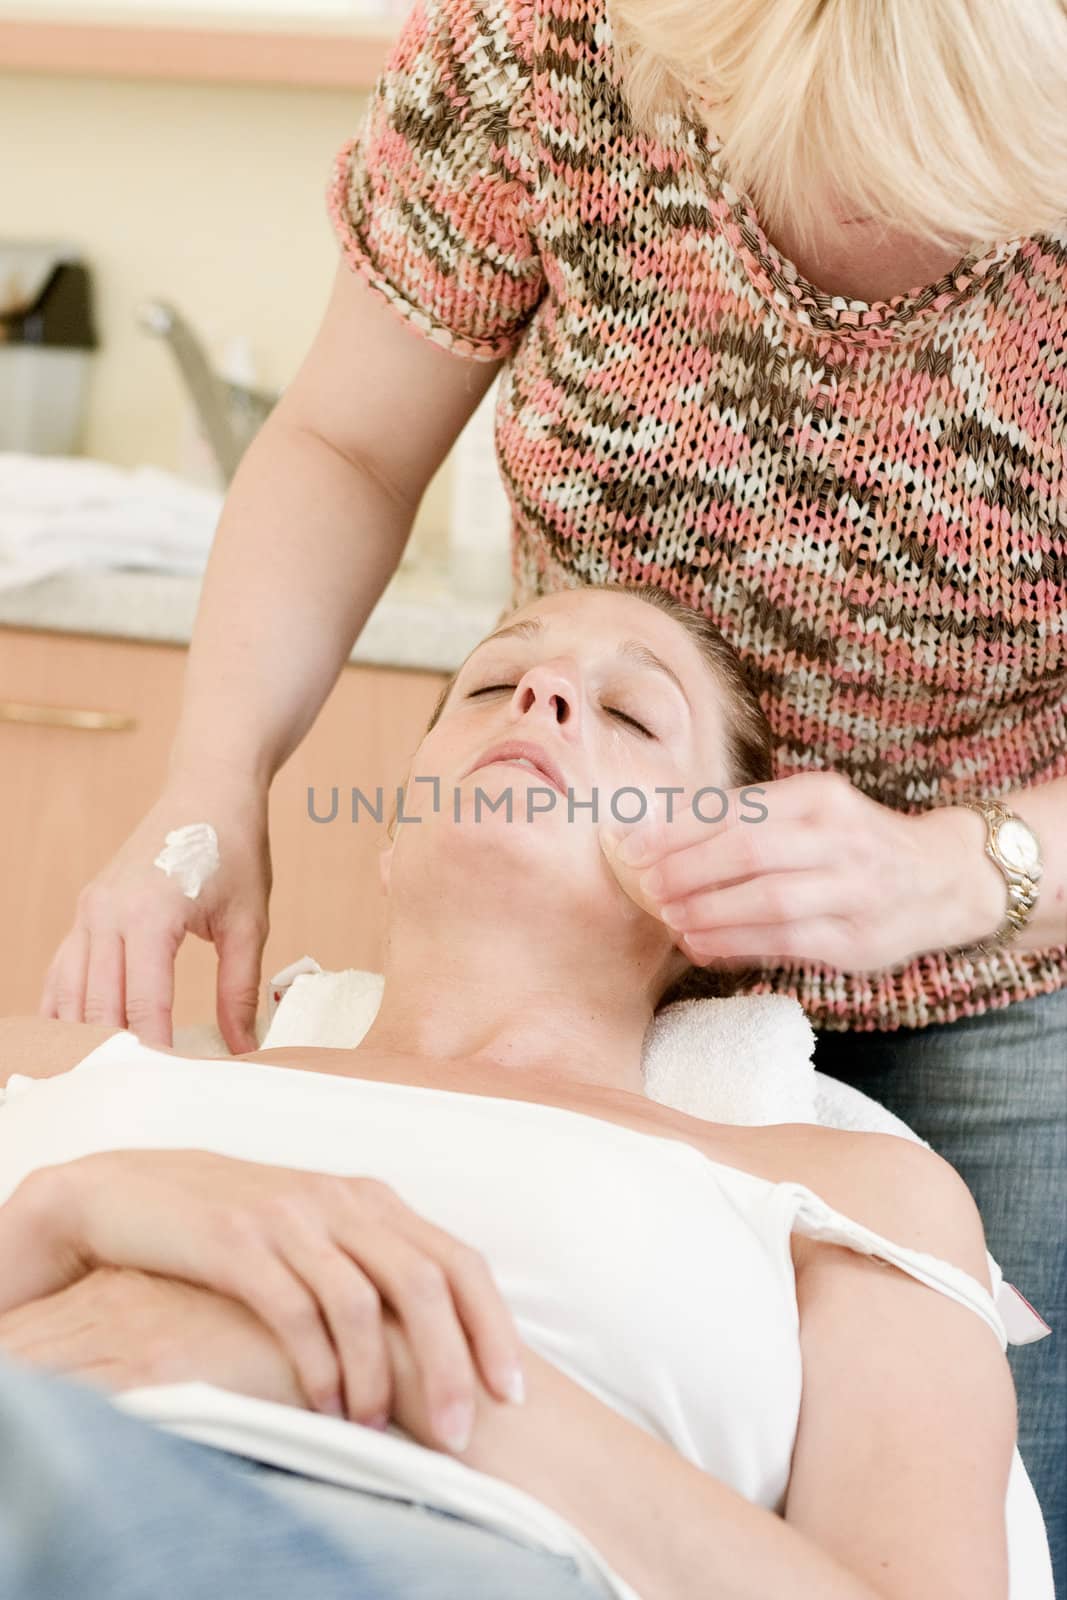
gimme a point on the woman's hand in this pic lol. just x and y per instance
(312, 1254)
(117, 1328)
(116, 964)
(823, 874)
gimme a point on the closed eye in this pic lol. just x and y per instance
(612, 711)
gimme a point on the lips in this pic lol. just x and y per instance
(516, 749)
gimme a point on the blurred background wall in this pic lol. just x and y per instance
(212, 196)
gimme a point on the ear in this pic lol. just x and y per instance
(385, 862)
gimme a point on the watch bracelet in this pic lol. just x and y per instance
(1022, 896)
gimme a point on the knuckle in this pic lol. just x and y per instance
(424, 1280)
(144, 1009)
(330, 1189)
(359, 1303)
(90, 902)
(750, 849)
(286, 1209)
(294, 1310)
(470, 1260)
(101, 1008)
(256, 930)
(371, 1193)
(779, 899)
(472, 1266)
(236, 1232)
(837, 790)
(149, 928)
(320, 1387)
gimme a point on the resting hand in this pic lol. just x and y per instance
(827, 875)
(117, 1328)
(312, 1254)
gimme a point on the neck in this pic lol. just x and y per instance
(551, 1013)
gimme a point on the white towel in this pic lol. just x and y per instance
(744, 1060)
(58, 512)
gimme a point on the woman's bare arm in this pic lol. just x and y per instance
(904, 1445)
(908, 1418)
(313, 528)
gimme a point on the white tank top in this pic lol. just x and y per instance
(659, 1279)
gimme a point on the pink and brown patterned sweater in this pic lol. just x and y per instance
(869, 500)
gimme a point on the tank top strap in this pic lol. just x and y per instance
(817, 1220)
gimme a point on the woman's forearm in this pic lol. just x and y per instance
(976, 910)
(672, 1531)
(306, 544)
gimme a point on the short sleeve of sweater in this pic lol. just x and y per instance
(432, 199)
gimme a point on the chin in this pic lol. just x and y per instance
(560, 855)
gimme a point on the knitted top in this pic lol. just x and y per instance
(870, 501)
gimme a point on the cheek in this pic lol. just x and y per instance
(629, 793)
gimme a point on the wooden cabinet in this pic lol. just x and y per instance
(70, 795)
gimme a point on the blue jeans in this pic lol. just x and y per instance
(989, 1094)
(97, 1505)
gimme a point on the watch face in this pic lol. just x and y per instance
(1018, 846)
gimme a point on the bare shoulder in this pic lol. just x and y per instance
(39, 1047)
(898, 1472)
(892, 1185)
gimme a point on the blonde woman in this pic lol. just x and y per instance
(777, 292)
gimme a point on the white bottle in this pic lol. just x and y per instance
(479, 538)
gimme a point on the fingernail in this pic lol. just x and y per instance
(333, 1407)
(515, 1386)
(455, 1424)
(380, 1421)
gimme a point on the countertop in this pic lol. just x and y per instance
(421, 621)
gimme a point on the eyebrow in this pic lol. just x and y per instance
(630, 650)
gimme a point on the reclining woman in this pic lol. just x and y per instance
(757, 1361)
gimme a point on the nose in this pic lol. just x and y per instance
(550, 689)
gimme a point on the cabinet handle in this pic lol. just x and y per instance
(66, 717)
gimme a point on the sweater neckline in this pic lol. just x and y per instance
(802, 302)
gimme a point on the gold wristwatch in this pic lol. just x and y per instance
(1012, 846)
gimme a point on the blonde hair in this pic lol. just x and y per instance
(947, 118)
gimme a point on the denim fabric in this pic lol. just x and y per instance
(989, 1094)
(97, 1505)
